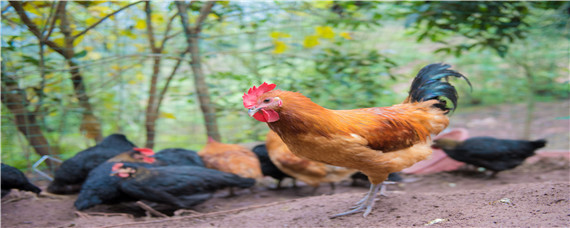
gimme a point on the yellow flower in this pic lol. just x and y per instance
(325, 32)
(141, 24)
(167, 115)
(277, 35)
(311, 41)
(280, 47)
(345, 35)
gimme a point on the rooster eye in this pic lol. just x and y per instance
(266, 100)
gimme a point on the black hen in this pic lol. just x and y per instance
(179, 186)
(359, 176)
(14, 178)
(267, 166)
(490, 153)
(72, 172)
(101, 188)
(178, 156)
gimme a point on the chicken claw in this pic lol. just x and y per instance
(382, 193)
(367, 202)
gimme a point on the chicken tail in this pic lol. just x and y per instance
(31, 188)
(428, 86)
(538, 143)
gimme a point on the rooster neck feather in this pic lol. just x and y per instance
(299, 115)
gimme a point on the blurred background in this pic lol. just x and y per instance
(167, 74)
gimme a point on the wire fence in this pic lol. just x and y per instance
(116, 63)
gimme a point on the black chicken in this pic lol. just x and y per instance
(14, 178)
(178, 156)
(135, 155)
(179, 186)
(267, 166)
(359, 176)
(490, 153)
(72, 172)
(101, 188)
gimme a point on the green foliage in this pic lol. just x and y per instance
(360, 55)
(488, 24)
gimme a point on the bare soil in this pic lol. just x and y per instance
(534, 194)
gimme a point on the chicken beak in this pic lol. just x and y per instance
(252, 111)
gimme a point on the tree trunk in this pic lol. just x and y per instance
(90, 124)
(15, 100)
(530, 102)
(192, 38)
(151, 111)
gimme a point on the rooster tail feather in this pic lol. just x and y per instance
(428, 86)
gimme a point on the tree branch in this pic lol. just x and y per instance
(168, 28)
(5, 8)
(104, 18)
(150, 29)
(204, 11)
(172, 74)
(33, 27)
(52, 24)
(50, 16)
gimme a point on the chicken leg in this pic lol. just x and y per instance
(365, 203)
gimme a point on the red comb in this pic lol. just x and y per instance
(117, 166)
(145, 151)
(250, 99)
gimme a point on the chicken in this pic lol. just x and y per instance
(268, 168)
(72, 172)
(14, 178)
(179, 186)
(311, 172)
(178, 156)
(490, 153)
(169, 156)
(135, 155)
(376, 141)
(100, 188)
(231, 158)
(393, 177)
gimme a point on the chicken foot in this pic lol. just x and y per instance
(364, 204)
(382, 193)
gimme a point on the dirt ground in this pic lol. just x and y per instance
(532, 195)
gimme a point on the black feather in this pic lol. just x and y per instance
(491, 153)
(180, 186)
(428, 85)
(102, 188)
(178, 156)
(72, 172)
(267, 166)
(14, 178)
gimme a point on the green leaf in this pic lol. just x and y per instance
(80, 54)
(30, 59)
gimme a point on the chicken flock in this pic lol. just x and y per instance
(306, 143)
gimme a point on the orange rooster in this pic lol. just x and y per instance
(377, 141)
(231, 158)
(311, 172)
